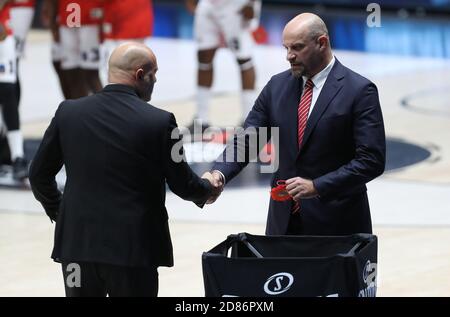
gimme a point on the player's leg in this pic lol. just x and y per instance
(207, 36)
(11, 119)
(240, 41)
(92, 78)
(248, 79)
(56, 61)
(18, 85)
(90, 56)
(71, 62)
(10, 109)
(5, 157)
(205, 79)
(21, 18)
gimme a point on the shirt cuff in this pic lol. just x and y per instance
(221, 174)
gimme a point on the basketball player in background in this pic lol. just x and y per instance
(49, 18)
(22, 13)
(123, 21)
(80, 45)
(232, 21)
(8, 99)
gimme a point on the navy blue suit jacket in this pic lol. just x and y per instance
(343, 148)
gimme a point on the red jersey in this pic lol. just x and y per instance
(129, 19)
(23, 3)
(90, 10)
(4, 18)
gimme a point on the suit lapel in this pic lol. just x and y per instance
(332, 86)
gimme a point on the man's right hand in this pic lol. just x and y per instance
(218, 184)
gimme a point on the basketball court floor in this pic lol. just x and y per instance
(410, 203)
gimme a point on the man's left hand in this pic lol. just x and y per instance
(300, 188)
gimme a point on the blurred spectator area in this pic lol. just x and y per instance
(410, 28)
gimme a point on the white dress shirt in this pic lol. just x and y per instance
(318, 81)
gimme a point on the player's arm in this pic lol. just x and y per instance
(3, 2)
(191, 5)
(49, 12)
(248, 10)
(49, 17)
(3, 32)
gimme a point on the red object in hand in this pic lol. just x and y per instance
(279, 193)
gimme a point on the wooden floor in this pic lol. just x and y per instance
(412, 261)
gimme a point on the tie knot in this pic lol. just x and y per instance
(309, 84)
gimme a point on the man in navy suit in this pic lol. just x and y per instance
(332, 139)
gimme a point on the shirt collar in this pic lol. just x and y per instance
(320, 78)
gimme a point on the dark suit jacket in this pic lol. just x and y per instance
(343, 149)
(116, 150)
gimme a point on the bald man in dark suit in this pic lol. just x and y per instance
(111, 222)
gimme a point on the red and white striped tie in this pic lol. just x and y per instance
(303, 112)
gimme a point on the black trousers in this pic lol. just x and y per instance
(83, 279)
(295, 226)
(10, 107)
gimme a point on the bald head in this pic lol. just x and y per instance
(308, 45)
(310, 24)
(133, 64)
(128, 58)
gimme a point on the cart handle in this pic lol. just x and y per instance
(356, 247)
(252, 248)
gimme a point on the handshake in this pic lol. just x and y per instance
(217, 183)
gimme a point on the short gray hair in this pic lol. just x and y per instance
(317, 28)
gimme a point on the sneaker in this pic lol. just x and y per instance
(20, 169)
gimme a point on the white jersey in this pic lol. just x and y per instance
(21, 19)
(8, 58)
(218, 20)
(224, 3)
